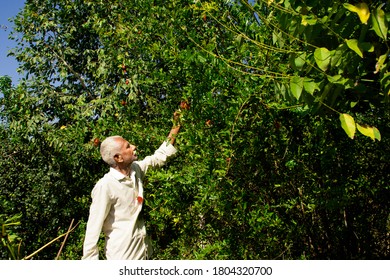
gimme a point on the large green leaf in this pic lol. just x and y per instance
(310, 85)
(348, 124)
(338, 79)
(296, 85)
(379, 23)
(361, 10)
(322, 57)
(297, 61)
(353, 44)
(366, 130)
(369, 131)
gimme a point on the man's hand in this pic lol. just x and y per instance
(177, 118)
(178, 115)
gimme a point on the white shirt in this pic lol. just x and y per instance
(116, 204)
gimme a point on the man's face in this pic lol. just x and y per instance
(127, 153)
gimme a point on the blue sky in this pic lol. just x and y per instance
(8, 65)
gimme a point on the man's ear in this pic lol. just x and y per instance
(118, 158)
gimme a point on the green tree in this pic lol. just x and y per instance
(331, 55)
(263, 170)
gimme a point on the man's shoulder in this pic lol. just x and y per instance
(105, 180)
(102, 185)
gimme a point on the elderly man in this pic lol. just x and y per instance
(117, 200)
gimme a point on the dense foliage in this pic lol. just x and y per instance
(266, 167)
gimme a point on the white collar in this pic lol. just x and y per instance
(118, 175)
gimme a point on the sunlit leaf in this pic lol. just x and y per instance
(348, 124)
(322, 57)
(310, 86)
(379, 23)
(296, 85)
(369, 131)
(269, 2)
(308, 20)
(366, 130)
(380, 63)
(361, 9)
(338, 79)
(297, 62)
(353, 44)
(377, 134)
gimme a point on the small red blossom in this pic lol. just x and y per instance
(96, 142)
(184, 105)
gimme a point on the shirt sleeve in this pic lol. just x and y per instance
(159, 157)
(100, 207)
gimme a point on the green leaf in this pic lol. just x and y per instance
(377, 134)
(348, 124)
(366, 46)
(308, 20)
(353, 103)
(296, 85)
(338, 56)
(340, 80)
(361, 9)
(334, 79)
(385, 83)
(201, 58)
(380, 63)
(310, 86)
(298, 61)
(379, 23)
(369, 131)
(353, 44)
(366, 130)
(322, 57)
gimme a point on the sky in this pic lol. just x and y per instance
(8, 65)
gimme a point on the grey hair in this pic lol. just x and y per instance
(109, 148)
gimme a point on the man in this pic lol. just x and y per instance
(117, 200)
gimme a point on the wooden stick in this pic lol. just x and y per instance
(54, 240)
(63, 242)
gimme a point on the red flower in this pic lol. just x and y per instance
(140, 199)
